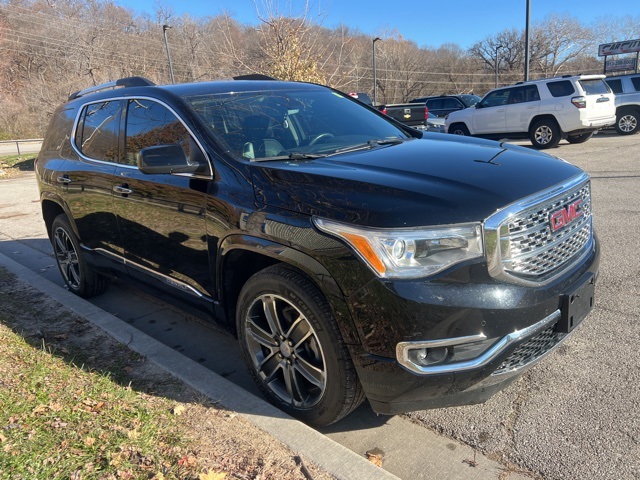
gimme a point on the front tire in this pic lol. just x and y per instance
(79, 277)
(459, 129)
(294, 350)
(545, 133)
(628, 121)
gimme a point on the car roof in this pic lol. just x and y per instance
(138, 86)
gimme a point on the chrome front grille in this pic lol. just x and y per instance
(526, 246)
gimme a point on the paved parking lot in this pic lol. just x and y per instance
(574, 416)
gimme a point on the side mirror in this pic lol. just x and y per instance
(164, 159)
(478, 105)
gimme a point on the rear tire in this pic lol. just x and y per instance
(545, 133)
(579, 138)
(293, 348)
(459, 129)
(79, 277)
(627, 121)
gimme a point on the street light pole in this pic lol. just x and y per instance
(498, 47)
(164, 31)
(375, 80)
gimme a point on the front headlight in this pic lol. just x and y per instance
(409, 252)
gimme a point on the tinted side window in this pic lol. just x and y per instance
(451, 103)
(98, 130)
(528, 93)
(496, 99)
(594, 87)
(636, 83)
(435, 104)
(615, 85)
(150, 124)
(561, 88)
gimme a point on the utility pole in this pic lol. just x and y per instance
(526, 45)
(498, 47)
(375, 79)
(164, 31)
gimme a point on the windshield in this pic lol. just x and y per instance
(470, 100)
(295, 123)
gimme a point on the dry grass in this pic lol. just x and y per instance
(75, 404)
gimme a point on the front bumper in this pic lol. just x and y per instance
(515, 333)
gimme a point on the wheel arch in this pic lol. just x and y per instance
(546, 116)
(51, 208)
(242, 256)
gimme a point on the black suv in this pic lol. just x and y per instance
(353, 256)
(445, 104)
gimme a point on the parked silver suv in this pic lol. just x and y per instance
(627, 90)
(545, 111)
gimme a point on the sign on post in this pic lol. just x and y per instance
(621, 64)
(619, 48)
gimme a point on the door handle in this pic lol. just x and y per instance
(64, 179)
(123, 189)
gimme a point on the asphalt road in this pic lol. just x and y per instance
(573, 416)
(11, 148)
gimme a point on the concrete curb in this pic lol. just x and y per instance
(324, 452)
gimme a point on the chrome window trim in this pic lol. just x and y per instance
(402, 349)
(492, 236)
(117, 164)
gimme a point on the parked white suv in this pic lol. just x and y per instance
(545, 111)
(627, 90)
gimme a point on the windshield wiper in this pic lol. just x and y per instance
(291, 156)
(369, 144)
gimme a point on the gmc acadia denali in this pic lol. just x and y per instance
(353, 257)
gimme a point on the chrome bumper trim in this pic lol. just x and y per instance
(403, 348)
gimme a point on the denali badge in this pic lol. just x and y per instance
(564, 216)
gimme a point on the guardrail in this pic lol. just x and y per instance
(18, 142)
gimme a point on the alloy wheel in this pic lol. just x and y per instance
(543, 135)
(285, 351)
(628, 123)
(67, 258)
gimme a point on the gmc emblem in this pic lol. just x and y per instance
(565, 216)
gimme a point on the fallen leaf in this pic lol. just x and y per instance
(178, 410)
(89, 441)
(188, 461)
(210, 475)
(375, 456)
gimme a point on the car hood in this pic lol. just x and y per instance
(439, 179)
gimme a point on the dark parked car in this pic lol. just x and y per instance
(354, 257)
(445, 104)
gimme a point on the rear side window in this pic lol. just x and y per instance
(615, 85)
(594, 87)
(561, 88)
(434, 104)
(636, 83)
(98, 130)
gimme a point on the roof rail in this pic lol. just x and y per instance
(254, 76)
(123, 82)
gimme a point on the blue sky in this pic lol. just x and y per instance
(428, 23)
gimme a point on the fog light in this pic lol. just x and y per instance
(428, 356)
